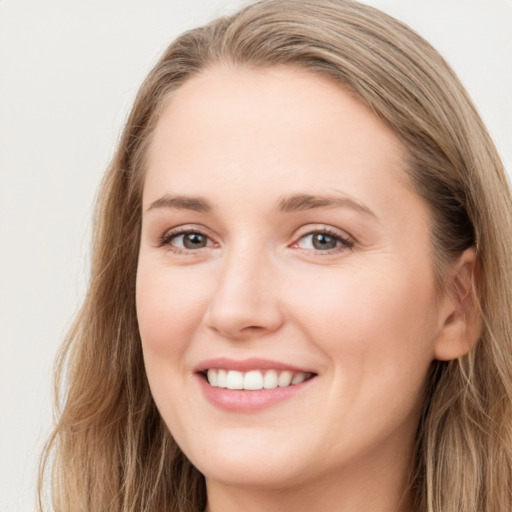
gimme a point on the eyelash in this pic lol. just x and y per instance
(345, 243)
(167, 238)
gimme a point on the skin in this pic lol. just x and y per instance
(365, 316)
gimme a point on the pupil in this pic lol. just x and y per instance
(323, 241)
(194, 241)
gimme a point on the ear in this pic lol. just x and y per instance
(461, 320)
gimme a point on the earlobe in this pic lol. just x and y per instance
(461, 317)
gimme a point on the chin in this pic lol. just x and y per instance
(253, 463)
(250, 475)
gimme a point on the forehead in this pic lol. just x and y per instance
(281, 126)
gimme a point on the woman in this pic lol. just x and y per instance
(301, 282)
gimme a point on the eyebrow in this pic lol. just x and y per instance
(196, 204)
(300, 202)
(293, 203)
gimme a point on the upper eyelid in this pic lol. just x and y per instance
(177, 231)
(309, 229)
(188, 228)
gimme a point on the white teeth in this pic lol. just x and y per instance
(270, 379)
(222, 380)
(285, 379)
(255, 379)
(298, 378)
(212, 377)
(235, 380)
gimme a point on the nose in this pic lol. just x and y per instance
(245, 302)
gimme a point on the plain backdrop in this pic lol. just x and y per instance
(69, 70)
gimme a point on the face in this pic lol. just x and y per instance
(285, 289)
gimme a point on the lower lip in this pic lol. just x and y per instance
(240, 400)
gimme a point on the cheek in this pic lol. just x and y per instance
(365, 305)
(170, 306)
(378, 328)
(378, 332)
(169, 309)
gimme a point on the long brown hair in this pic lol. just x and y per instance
(110, 449)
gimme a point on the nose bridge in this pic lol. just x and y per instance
(245, 299)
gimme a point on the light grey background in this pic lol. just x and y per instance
(69, 70)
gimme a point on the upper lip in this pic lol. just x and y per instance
(245, 365)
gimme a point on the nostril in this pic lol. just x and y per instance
(240, 332)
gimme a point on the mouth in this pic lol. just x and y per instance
(254, 380)
(250, 385)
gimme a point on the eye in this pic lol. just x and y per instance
(185, 240)
(190, 240)
(323, 241)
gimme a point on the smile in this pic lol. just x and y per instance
(250, 385)
(255, 380)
